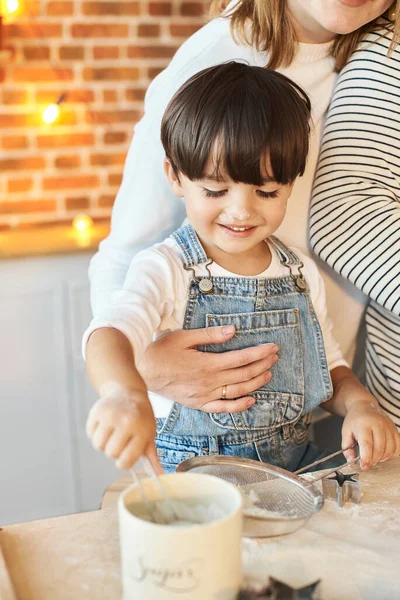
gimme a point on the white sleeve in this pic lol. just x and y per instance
(318, 298)
(147, 297)
(145, 210)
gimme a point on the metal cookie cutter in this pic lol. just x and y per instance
(282, 591)
(342, 487)
(277, 590)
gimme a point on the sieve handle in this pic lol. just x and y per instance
(322, 460)
(351, 462)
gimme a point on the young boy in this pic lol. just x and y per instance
(235, 139)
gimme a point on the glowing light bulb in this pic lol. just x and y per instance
(10, 9)
(82, 223)
(51, 113)
(12, 5)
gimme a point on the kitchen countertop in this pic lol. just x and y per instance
(51, 239)
(354, 550)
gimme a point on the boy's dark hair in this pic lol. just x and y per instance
(236, 114)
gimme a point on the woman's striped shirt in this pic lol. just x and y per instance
(355, 209)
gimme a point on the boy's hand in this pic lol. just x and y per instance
(122, 425)
(375, 433)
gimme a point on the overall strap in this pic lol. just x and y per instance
(290, 259)
(190, 246)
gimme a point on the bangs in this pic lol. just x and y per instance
(245, 123)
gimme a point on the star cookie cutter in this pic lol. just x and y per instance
(277, 590)
(342, 487)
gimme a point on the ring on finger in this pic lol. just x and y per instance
(224, 391)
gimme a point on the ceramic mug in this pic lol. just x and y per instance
(187, 562)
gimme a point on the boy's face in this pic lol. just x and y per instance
(231, 217)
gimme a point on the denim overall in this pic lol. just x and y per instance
(275, 428)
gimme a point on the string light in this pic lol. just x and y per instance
(82, 223)
(52, 112)
(82, 230)
(12, 5)
(9, 7)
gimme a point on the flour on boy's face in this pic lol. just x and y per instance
(232, 217)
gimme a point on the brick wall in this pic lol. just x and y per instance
(104, 54)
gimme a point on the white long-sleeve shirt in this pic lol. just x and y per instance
(146, 211)
(153, 301)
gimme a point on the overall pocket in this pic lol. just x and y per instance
(280, 401)
(171, 452)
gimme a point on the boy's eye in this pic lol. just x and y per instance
(272, 194)
(214, 194)
(219, 193)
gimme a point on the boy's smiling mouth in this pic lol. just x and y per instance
(236, 231)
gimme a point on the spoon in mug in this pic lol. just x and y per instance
(148, 467)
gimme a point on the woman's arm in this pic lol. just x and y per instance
(145, 210)
(355, 210)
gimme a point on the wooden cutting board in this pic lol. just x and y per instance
(71, 557)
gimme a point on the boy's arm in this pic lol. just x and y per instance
(110, 360)
(364, 422)
(121, 423)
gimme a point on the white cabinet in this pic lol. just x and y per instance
(47, 465)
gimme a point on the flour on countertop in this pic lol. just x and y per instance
(365, 557)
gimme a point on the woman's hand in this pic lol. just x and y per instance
(173, 367)
(122, 425)
(375, 433)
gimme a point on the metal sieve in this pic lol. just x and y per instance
(276, 501)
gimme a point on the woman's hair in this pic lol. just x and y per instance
(271, 30)
(251, 123)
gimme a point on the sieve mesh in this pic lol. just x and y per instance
(269, 493)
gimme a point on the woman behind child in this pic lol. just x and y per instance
(235, 139)
(307, 40)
